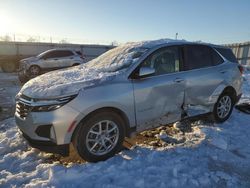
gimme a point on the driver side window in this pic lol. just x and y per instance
(164, 61)
(48, 55)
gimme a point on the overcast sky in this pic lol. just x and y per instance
(216, 21)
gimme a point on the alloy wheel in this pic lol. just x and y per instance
(224, 106)
(102, 137)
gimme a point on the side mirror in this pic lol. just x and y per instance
(146, 71)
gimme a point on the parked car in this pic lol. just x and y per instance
(49, 60)
(131, 88)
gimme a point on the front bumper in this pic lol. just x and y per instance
(50, 126)
(48, 146)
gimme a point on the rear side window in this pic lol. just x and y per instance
(197, 56)
(216, 58)
(227, 53)
(64, 53)
(50, 54)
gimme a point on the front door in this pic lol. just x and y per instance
(159, 98)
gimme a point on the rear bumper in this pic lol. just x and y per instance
(48, 146)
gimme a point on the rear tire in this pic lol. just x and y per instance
(223, 107)
(100, 136)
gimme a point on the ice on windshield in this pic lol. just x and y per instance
(117, 58)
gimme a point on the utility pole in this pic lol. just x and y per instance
(176, 36)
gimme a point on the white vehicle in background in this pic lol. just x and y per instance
(49, 60)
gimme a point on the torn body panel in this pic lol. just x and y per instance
(202, 89)
(158, 100)
(205, 107)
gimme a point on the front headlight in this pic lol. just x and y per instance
(46, 108)
(50, 105)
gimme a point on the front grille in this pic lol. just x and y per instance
(22, 109)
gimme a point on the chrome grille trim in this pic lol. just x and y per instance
(23, 109)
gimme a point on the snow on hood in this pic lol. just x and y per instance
(64, 82)
(70, 81)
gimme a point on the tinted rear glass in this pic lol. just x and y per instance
(217, 59)
(64, 53)
(227, 53)
(197, 56)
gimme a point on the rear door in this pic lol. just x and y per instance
(50, 60)
(66, 58)
(159, 98)
(203, 74)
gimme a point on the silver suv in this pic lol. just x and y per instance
(49, 60)
(128, 89)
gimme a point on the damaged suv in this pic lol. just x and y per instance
(128, 89)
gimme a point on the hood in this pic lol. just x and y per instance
(29, 59)
(65, 82)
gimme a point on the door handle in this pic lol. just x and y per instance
(178, 80)
(56, 59)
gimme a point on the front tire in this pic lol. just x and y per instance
(223, 107)
(100, 136)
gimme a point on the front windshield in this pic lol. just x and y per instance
(118, 58)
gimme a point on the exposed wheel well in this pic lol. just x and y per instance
(110, 109)
(231, 91)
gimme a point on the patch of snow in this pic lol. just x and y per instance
(219, 142)
(191, 164)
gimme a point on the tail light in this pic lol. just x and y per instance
(241, 68)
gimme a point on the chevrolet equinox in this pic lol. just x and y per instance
(131, 88)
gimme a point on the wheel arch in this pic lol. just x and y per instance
(231, 91)
(221, 89)
(122, 114)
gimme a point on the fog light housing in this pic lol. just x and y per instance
(52, 134)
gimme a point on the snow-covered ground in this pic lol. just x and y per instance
(213, 155)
